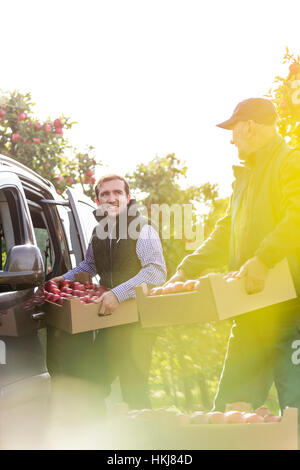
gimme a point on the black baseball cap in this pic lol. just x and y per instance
(259, 110)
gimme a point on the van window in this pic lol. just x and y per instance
(68, 222)
(42, 236)
(2, 248)
(11, 225)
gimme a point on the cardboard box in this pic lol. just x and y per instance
(74, 317)
(216, 299)
(168, 435)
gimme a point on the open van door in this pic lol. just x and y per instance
(77, 216)
(82, 208)
(21, 263)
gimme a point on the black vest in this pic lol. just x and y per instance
(116, 260)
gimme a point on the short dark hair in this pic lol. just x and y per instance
(111, 177)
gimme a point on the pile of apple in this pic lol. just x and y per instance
(88, 292)
(231, 416)
(176, 287)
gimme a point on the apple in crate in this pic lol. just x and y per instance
(253, 418)
(234, 417)
(216, 417)
(271, 419)
(189, 285)
(178, 287)
(67, 290)
(263, 411)
(198, 417)
(78, 286)
(78, 293)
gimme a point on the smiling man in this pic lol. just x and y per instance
(123, 259)
(261, 227)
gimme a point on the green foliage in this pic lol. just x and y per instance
(43, 146)
(286, 97)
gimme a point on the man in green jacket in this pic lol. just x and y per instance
(260, 228)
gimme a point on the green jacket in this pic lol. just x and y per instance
(263, 217)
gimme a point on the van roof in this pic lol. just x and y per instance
(24, 171)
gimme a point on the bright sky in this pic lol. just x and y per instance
(146, 78)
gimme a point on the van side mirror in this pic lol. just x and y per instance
(24, 267)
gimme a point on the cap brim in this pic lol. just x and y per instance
(228, 124)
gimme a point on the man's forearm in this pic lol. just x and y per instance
(213, 253)
(86, 266)
(152, 275)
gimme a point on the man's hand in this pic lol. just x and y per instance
(255, 273)
(178, 276)
(109, 303)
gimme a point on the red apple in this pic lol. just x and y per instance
(48, 128)
(70, 180)
(234, 417)
(66, 296)
(50, 296)
(57, 123)
(199, 418)
(2, 113)
(56, 297)
(167, 289)
(78, 293)
(58, 130)
(21, 117)
(189, 285)
(66, 283)
(178, 287)
(67, 290)
(89, 173)
(60, 300)
(78, 286)
(263, 411)
(253, 418)
(271, 419)
(216, 417)
(38, 126)
(36, 140)
(16, 137)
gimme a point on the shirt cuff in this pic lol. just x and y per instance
(69, 276)
(123, 294)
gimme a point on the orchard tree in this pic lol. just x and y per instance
(42, 146)
(286, 97)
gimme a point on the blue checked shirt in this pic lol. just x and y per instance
(150, 253)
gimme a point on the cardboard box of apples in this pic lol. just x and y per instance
(71, 306)
(238, 428)
(211, 298)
